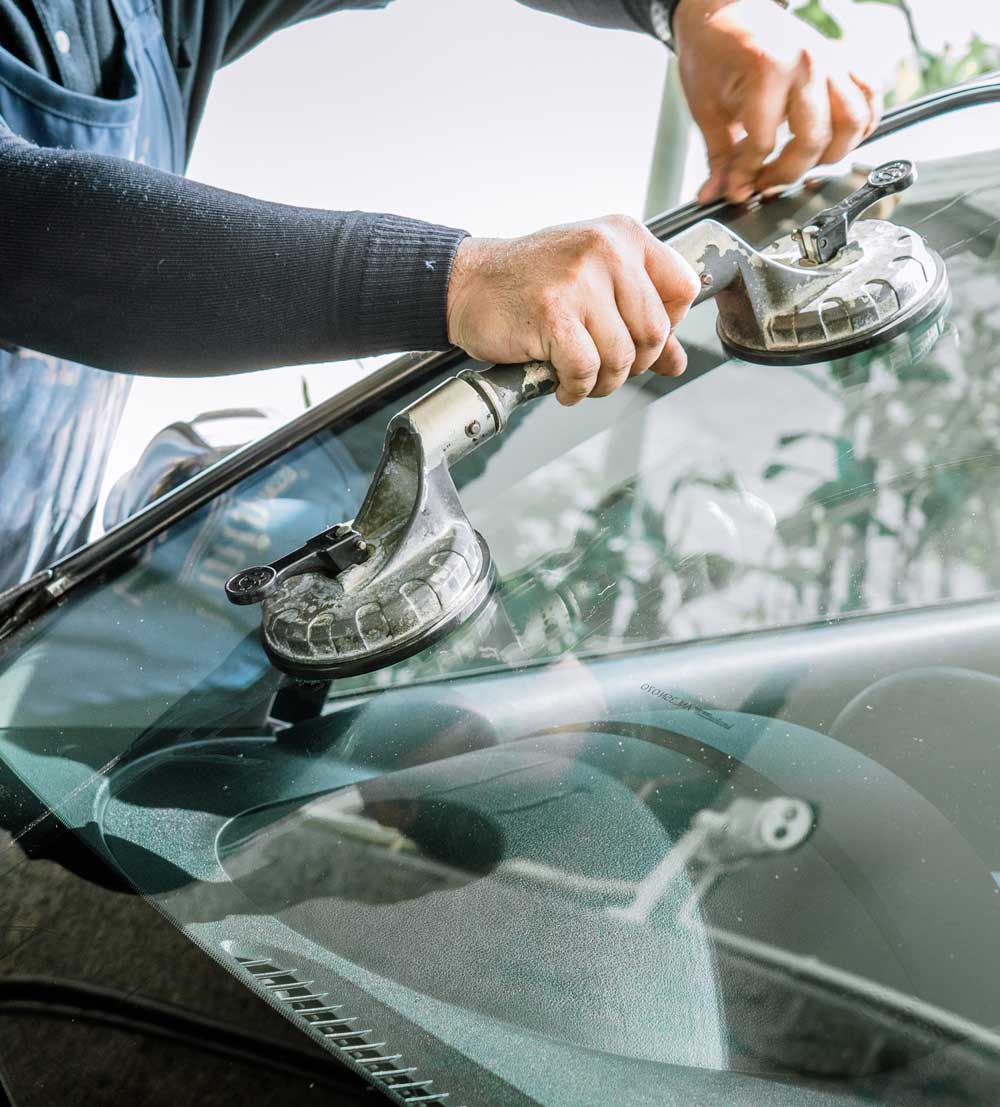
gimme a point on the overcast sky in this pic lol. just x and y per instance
(475, 113)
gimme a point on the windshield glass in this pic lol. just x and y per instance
(712, 803)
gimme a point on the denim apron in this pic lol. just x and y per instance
(58, 419)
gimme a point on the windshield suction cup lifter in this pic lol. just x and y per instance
(832, 288)
(411, 567)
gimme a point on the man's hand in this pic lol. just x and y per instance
(747, 67)
(599, 300)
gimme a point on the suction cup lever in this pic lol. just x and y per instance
(331, 552)
(826, 235)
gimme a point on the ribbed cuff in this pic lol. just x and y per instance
(652, 16)
(620, 15)
(661, 13)
(403, 291)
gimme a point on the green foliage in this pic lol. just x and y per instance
(923, 71)
(940, 71)
(817, 16)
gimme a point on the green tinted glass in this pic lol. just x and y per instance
(709, 801)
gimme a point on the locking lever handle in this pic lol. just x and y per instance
(331, 551)
(826, 234)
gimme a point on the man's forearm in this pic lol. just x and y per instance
(120, 266)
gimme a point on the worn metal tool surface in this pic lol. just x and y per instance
(410, 568)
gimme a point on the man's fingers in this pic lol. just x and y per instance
(809, 122)
(615, 346)
(765, 103)
(714, 185)
(874, 100)
(645, 316)
(673, 361)
(676, 283)
(850, 116)
(576, 360)
(720, 140)
(595, 299)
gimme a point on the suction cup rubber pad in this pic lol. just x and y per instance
(307, 633)
(935, 302)
(887, 280)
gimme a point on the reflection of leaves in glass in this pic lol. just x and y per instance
(892, 504)
(911, 496)
(631, 569)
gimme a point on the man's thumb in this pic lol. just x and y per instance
(713, 187)
(719, 147)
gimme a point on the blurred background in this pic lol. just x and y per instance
(492, 117)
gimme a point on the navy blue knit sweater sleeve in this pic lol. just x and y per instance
(123, 267)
